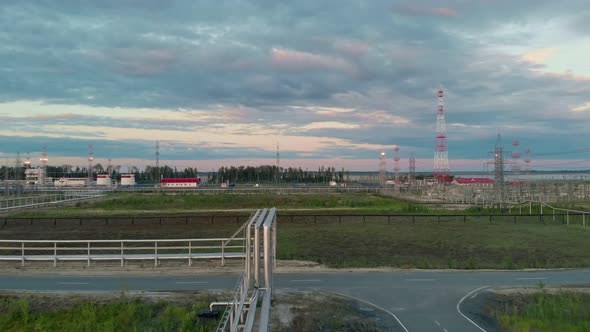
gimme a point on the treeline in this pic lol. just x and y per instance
(273, 174)
(151, 174)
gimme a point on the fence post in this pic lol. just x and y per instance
(541, 206)
(156, 254)
(554, 215)
(190, 261)
(54, 254)
(88, 262)
(22, 254)
(222, 253)
(583, 220)
(568, 217)
(122, 259)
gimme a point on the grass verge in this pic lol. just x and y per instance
(121, 315)
(544, 312)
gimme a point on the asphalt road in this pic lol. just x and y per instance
(420, 300)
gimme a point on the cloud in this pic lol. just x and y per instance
(295, 61)
(338, 79)
(540, 55)
(581, 108)
(419, 11)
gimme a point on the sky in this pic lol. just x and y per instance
(332, 82)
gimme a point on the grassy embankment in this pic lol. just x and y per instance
(137, 204)
(475, 244)
(122, 315)
(544, 312)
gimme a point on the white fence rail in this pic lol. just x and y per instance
(121, 250)
(47, 199)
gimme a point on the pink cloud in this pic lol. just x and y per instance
(351, 47)
(417, 11)
(142, 62)
(290, 60)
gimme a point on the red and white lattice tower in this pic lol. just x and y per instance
(527, 162)
(515, 162)
(396, 168)
(412, 168)
(441, 153)
(382, 165)
(44, 161)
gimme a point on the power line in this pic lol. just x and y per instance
(563, 152)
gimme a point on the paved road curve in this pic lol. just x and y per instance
(422, 301)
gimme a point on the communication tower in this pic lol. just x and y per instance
(441, 154)
(278, 164)
(28, 161)
(17, 166)
(527, 162)
(44, 161)
(396, 168)
(412, 178)
(90, 161)
(382, 165)
(158, 161)
(516, 162)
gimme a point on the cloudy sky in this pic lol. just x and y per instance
(333, 82)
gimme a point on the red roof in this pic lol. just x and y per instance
(181, 180)
(474, 181)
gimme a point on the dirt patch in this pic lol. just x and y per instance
(322, 311)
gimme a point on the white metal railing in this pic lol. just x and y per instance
(48, 199)
(121, 250)
(542, 204)
(240, 312)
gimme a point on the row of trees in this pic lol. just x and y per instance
(269, 173)
(151, 174)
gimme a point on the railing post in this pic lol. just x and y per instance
(22, 254)
(54, 254)
(122, 255)
(88, 262)
(568, 217)
(583, 220)
(554, 215)
(156, 254)
(222, 253)
(190, 249)
(530, 207)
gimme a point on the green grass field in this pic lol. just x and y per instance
(543, 312)
(348, 242)
(134, 315)
(137, 204)
(430, 245)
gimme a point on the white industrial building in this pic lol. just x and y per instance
(71, 182)
(103, 180)
(127, 179)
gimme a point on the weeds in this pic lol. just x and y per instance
(541, 312)
(122, 315)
